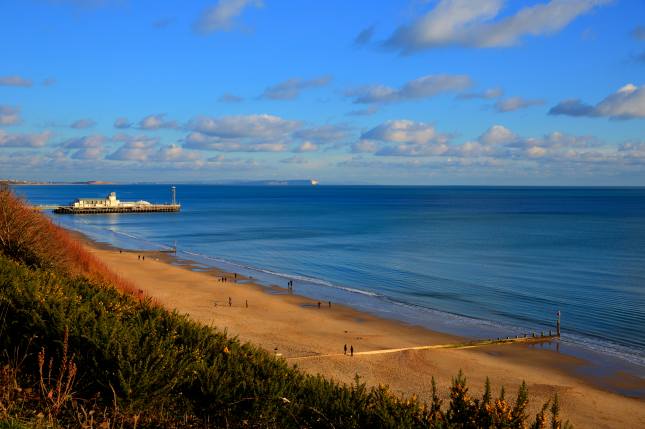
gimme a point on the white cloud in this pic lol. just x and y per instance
(127, 138)
(135, 150)
(498, 134)
(222, 162)
(34, 140)
(221, 16)
(88, 147)
(93, 141)
(122, 122)
(639, 32)
(267, 127)
(9, 115)
(626, 103)
(496, 146)
(480, 23)
(512, 104)
(83, 123)
(261, 133)
(199, 141)
(175, 153)
(230, 98)
(402, 138)
(369, 111)
(365, 146)
(306, 146)
(365, 36)
(156, 122)
(324, 134)
(486, 95)
(423, 87)
(402, 131)
(295, 160)
(88, 153)
(291, 88)
(15, 81)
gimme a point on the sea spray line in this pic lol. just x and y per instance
(307, 279)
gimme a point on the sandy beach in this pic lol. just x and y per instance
(313, 338)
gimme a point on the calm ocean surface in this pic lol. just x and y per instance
(466, 260)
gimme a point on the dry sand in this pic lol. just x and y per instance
(294, 327)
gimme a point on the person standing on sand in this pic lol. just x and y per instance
(139, 257)
(230, 302)
(351, 351)
(345, 349)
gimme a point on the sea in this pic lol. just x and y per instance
(481, 262)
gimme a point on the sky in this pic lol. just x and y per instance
(423, 92)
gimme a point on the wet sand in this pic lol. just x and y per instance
(295, 328)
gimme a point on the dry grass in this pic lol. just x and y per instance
(27, 236)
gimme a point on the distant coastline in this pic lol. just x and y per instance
(38, 183)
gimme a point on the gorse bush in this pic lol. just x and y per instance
(78, 351)
(31, 238)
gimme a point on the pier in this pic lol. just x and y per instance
(111, 204)
(133, 209)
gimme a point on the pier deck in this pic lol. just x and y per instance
(130, 209)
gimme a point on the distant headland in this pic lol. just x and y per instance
(34, 182)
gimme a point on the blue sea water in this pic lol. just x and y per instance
(475, 261)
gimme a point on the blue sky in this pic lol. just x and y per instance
(544, 92)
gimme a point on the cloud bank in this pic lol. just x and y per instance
(222, 15)
(291, 88)
(481, 24)
(420, 88)
(15, 81)
(626, 103)
(9, 115)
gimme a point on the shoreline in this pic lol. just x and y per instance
(294, 327)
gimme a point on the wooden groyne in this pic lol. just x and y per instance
(526, 339)
(152, 208)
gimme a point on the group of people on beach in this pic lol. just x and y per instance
(351, 350)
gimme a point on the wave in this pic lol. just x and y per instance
(287, 276)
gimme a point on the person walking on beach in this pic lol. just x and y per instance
(318, 304)
(351, 351)
(230, 302)
(345, 349)
(139, 257)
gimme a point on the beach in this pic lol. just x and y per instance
(313, 337)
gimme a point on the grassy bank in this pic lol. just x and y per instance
(81, 347)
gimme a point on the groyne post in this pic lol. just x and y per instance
(557, 323)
